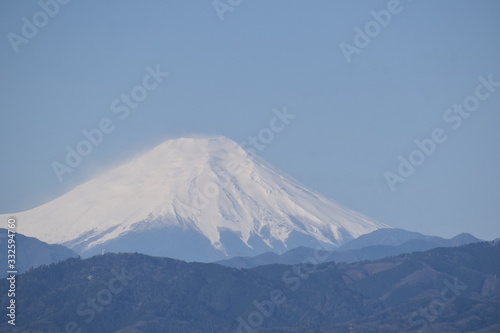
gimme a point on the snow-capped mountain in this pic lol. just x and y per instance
(195, 199)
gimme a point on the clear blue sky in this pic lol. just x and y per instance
(353, 119)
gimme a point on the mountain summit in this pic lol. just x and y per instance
(194, 199)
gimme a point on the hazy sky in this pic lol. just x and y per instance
(355, 115)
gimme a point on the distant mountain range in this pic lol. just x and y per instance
(379, 244)
(454, 289)
(31, 252)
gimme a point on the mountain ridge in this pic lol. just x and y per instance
(167, 295)
(31, 252)
(358, 250)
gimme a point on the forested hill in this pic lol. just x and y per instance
(444, 289)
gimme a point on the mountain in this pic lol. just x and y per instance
(392, 237)
(199, 199)
(351, 252)
(31, 252)
(464, 238)
(441, 290)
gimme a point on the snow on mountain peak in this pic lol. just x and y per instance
(207, 185)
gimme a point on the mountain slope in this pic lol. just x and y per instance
(195, 199)
(31, 252)
(148, 294)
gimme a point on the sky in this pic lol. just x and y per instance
(375, 86)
